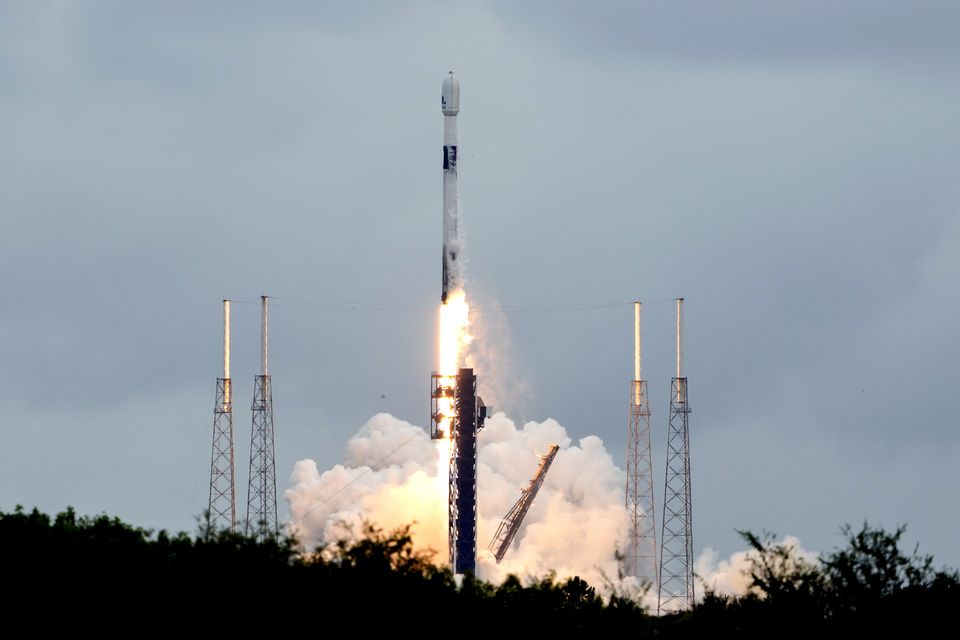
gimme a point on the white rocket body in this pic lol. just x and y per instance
(452, 242)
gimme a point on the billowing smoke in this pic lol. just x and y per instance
(393, 475)
(389, 477)
(732, 576)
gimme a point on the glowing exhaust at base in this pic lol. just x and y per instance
(454, 339)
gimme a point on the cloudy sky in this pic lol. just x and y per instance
(791, 170)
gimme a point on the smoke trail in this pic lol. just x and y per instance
(503, 384)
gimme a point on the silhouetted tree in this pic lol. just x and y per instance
(873, 584)
(70, 570)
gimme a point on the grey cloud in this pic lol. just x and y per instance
(155, 161)
(822, 32)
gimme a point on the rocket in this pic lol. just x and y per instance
(452, 243)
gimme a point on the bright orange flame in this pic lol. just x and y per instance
(454, 339)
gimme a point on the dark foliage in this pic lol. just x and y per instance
(870, 587)
(101, 574)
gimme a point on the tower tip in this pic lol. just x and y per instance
(263, 337)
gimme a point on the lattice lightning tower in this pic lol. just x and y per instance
(676, 552)
(262, 490)
(640, 556)
(222, 506)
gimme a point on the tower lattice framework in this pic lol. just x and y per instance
(262, 489)
(640, 555)
(467, 422)
(676, 585)
(222, 504)
(222, 507)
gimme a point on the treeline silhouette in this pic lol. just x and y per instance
(69, 570)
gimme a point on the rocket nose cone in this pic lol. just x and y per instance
(450, 95)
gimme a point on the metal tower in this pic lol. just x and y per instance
(262, 490)
(676, 552)
(640, 557)
(222, 507)
(511, 523)
(458, 413)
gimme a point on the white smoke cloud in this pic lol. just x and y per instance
(732, 576)
(391, 477)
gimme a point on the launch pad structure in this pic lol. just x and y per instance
(459, 393)
(510, 525)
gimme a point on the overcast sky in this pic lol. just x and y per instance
(789, 168)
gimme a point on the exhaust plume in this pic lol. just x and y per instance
(393, 475)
